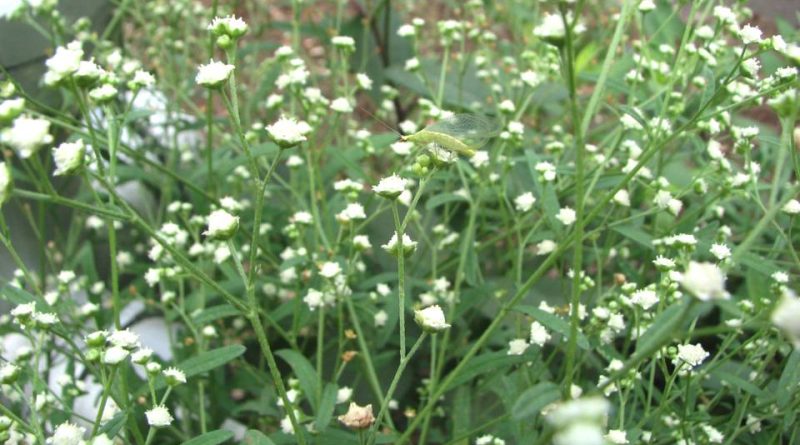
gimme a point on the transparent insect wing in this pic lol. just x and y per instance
(471, 129)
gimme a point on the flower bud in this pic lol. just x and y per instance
(431, 319)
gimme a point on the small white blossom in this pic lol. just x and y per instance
(524, 202)
(390, 187)
(159, 416)
(68, 434)
(692, 355)
(68, 157)
(539, 334)
(221, 224)
(566, 215)
(213, 74)
(705, 281)
(720, 251)
(288, 132)
(518, 346)
(26, 135)
(431, 319)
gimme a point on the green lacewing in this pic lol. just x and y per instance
(460, 133)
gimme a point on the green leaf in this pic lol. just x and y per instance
(791, 373)
(255, 437)
(636, 235)
(663, 325)
(215, 437)
(305, 373)
(214, 313)
(738, 382)
(533, 399)
(442, 199)
(494, 362)
(113, 426)
(554, 323)
(209, 360)
(326, 406)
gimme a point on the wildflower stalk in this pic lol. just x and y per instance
(393, 386)
(401, 279)
(255, 320)
(577, 259)
(372, 377)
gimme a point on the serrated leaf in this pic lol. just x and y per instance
(533, 399)
(255, 437)
(215, 437)
(305, 373)
(326, 406)
(554, 323)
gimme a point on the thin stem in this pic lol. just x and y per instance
(393, 385)
(401, 279)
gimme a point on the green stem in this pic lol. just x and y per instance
(401, 279)
(393, 386)
(577, 259)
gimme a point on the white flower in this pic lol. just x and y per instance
(586, 409)
(11, 108)
(362, 242)
(750, 34)
(412, 64)
(141, 79)
(353, 211)
(409, 246)
(622, 198)
(720, 251)
(364, 82)
(314, 299)
(344, 42)
(531, 78)
(692, 355)
(64, 62)
(618, 437)
(724, 14)
(153, 276)
(545, 246)
(114, 355)
(551, 29)
(390, 187)
(566, 215)
(141, 356)
(330, 269)
(406, 30)
(5, 182)
(27, 135)
(174, 376)
(646, 298)
(302, 217)
(705, 281)
(507, 106)
(539, 334)
(431, 319)
(231, 26)
(288, 132)
(380, 318)
(341, 105)
(9, 373)
(159, 416)
(103, 93)
(786, 317)
(480, 159)
(124, 339)
(343, 394)
(518, 346)
(792, 207)
(780, 277)
(402, 148)
(68, 157)
(221, 224)
(68, 434)
(524, 202)
(213, 74)
(647, 5)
